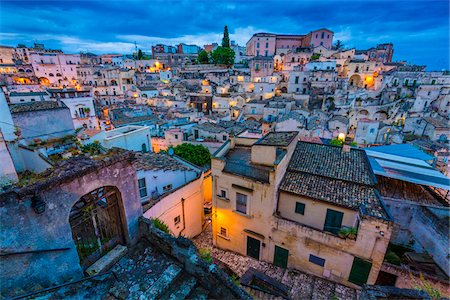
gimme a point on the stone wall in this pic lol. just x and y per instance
(408, 279)
(183, 250)
(22, 229)
(426, 227)
(44, 124)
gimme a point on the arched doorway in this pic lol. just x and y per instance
(355, 80)
(96, 224)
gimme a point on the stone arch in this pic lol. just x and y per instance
(44, 81)
(355, 80)
(380, 115)
(97, 224)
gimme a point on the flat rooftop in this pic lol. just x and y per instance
(239, 162)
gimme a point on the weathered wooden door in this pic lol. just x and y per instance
(360, 271)
(253, 247)
(280, 258)
(96, 224)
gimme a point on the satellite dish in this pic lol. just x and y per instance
(171, 151)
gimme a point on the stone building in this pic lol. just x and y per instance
(334, 225)
(57, 224)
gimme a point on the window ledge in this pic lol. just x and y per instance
(223, 237)
(222, 198)
(242, 214)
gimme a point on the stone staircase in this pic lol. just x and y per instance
(175, 284)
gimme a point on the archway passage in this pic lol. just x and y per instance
(96, 224)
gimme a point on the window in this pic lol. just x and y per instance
(224, 137)
(167, 187)
(299, 208)
(176, 136)
(266, 53)
(257, 45)
(296, 79)
(177, 220)
(223, 232)
(142, 187)
(241, 203)
(267, 45)
(317, 260)
(223, 194)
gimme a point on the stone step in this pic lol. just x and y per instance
(182, 288)
(163, 283)
(107, 260)
(199, 293)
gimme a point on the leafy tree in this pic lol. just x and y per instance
(197, 154)
(336, 142)
(223, 56)
(140, 55)
(338, 45)
(226, 38)
(315, 56)
(203, 57)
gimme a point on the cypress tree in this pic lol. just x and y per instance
(226, 38)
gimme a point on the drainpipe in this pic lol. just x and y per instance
(184, 221)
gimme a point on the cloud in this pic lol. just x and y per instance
(419, 29)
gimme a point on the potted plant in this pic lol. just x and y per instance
(348, 233)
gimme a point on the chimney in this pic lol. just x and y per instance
(346, 148)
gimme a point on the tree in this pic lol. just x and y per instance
(197, 154)
(203, 57)
(139, 54)
(223, 56)
(338, 45)
(226, 38)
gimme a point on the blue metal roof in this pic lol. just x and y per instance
(403, 150)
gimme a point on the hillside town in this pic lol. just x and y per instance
(291, 167)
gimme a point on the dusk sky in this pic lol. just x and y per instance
(418, 29)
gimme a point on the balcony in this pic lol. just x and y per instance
(300, 230)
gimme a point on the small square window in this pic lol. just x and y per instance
(299, 208)
(177, 220)
(317, 260)
(223, 232)
(167, 187)
(223, 193)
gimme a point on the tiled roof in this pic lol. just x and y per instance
(340, 192)
(332, 162)
(438, 123)
(16, 94)
(158, 162)
(38, 105)
(123, 120)
(328, 174)
(283, 138)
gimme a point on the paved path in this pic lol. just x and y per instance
(303, 285)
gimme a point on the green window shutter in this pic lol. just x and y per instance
(280, 258)
(333, 221)
(300, 208)
(360, 271)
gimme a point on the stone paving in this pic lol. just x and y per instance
(303, 285)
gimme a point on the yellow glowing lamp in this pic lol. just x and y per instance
(341, 136)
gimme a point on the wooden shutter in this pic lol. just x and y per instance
(333, 221)
(360, 271)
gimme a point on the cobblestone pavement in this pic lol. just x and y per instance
(303, 285)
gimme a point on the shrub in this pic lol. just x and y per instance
(348, 232)
(393, 258)
(197, 154)
(160, 225)
(205, 254)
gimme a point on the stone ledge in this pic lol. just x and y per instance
(107, 261)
